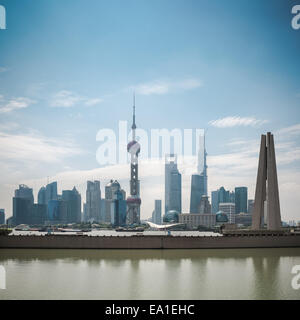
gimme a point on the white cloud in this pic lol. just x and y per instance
(67, 99)
(291, 130)
(35, 148)
(93, 102)
(3, 69)
(229, 122)
(15, 104)
(165, 86)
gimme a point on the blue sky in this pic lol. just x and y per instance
(68, 68)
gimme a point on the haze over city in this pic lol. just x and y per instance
(64, 81)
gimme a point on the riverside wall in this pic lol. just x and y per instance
(148, 242)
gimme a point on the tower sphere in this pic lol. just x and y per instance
(134, 147)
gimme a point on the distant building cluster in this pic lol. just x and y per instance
(226, 206)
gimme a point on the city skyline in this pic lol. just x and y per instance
(60, 81)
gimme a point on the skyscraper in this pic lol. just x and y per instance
(241, 199)
(172, 184)
(22, 205)
(24, 192)
(204, 206)
(156, 215)
(134, 200)
(51, 191)
(111, 189)
(118, 209)
(42, 196)
(221, 196)
(199, 180)
(2, 216)
(93, 201)
(72, 199)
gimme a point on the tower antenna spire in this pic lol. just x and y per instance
(133, 119)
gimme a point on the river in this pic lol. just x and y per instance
(149, 274)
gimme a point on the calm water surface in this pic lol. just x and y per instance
(149, 274)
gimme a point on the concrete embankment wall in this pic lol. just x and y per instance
(147, 242)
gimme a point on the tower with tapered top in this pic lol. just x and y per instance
(134, 200)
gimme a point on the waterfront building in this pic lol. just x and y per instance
(51, 191)
(199, 180)
(118, 209)
(204, 206)
(93, 202)
(72, 199)
(193, 221)
(156, 216)
(22, 205)
(24, 192)
(39, 214)
(2, 216)
(250, 206)
(244, 219)
(229, 209)
(134, 200)
(221, 196)
(22, 208)
(172, 184)
(42, 196)
(241, 199)
(112, 188)
(172, 216)
(221, 218)
(57, 212)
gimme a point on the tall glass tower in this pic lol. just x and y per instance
(199, 180)
(172, 184)
(134, 200)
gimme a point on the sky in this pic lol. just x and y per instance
(69, 69)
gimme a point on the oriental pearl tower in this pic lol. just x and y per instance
(134, 200)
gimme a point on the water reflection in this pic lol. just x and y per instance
(149, 274)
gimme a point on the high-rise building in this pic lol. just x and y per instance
(197, 191)
(214, 201)
(57, 212)
(204, 206)
(229, 209)
(2, 216)
(38, 214)
(22, 210)
(111, 189)
(250, 206)
(156, 215)
(241, 199)
(22, 205)
(221, 196)
(51, 191)
(199, 180)
(118, 209)
(93, 201)
(134, 200)
(172, 184)
(24, 192)
(73, 204)
(42, 196)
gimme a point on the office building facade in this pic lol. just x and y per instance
(172, 184)
(241, 200)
